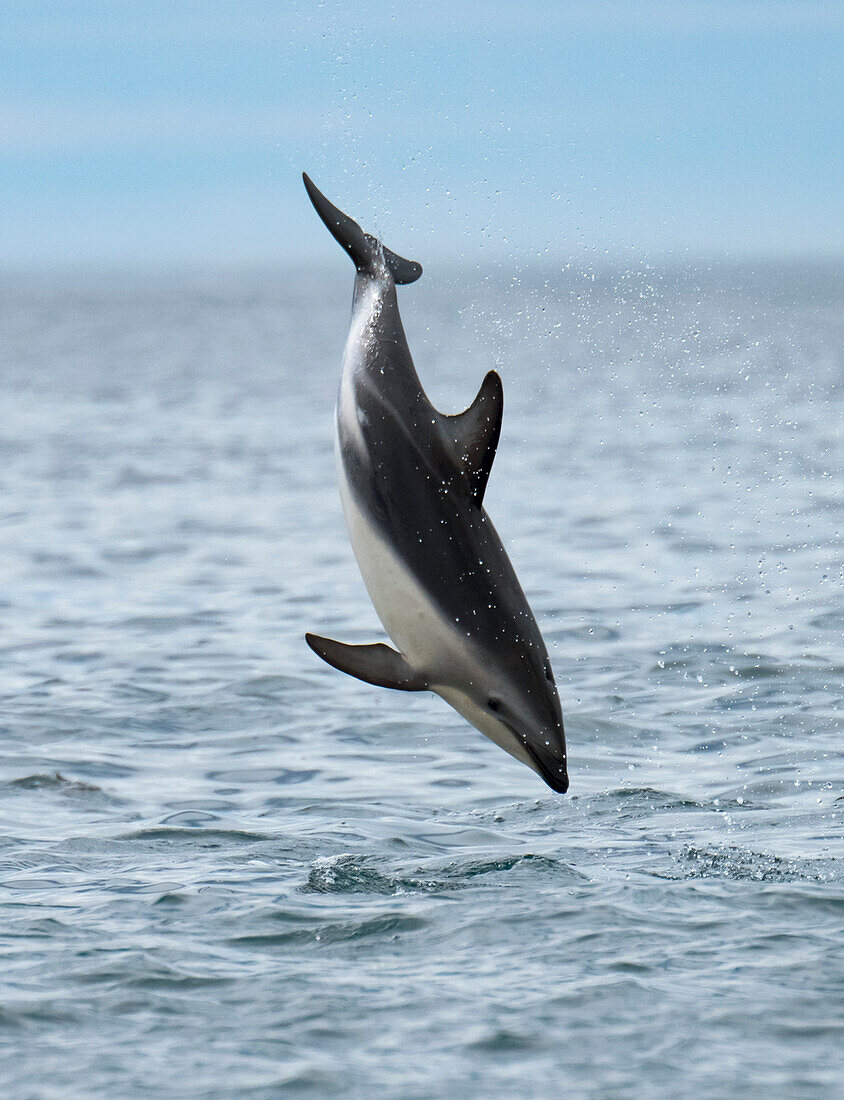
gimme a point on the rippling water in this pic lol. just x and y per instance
(227, 870)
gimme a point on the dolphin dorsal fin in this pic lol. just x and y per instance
(475, 433)
(375, 664)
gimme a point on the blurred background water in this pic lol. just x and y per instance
(227, 870)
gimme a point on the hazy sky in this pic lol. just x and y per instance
(171, 131)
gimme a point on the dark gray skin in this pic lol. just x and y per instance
(418, 478)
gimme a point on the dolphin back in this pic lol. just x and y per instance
(365, 250)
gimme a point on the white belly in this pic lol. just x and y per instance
(416, 625)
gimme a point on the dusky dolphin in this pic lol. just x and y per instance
(412, 483)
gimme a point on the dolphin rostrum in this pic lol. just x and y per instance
(412, 485)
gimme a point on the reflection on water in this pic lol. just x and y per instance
(228, 870)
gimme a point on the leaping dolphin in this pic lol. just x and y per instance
(412, 485)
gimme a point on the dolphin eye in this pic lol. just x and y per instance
(493, 704)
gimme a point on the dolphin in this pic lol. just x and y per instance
(412, 484)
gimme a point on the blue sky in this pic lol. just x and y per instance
(171, 132)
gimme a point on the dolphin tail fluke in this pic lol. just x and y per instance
(403, 271)
(361, 246)
(375, 664)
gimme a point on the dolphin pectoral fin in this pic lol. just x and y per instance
(375, 664)
(475, 433)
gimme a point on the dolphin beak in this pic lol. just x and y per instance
(550, 768)
(557, 781)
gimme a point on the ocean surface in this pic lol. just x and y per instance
(227, 870)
